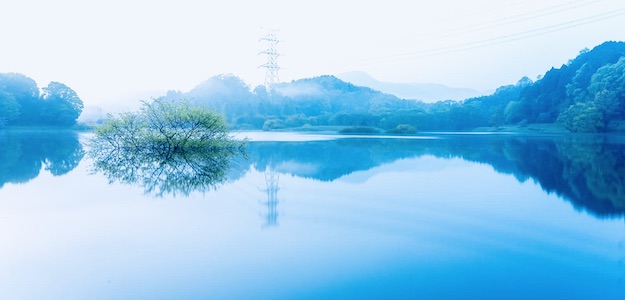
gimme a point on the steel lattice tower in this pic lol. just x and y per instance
(271, 66)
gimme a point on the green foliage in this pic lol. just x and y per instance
(167, 147)
(60, 105)
(166, 127)
(359, 130)
(608, 87)
(21, 92)
(582, 117)
(402, 129)
(594, 76)
(560, 88)
(273, 124)
(9, 108)
(22, 104)
(319, 101)
(513, 113)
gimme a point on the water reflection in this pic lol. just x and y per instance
(272, 182)
(160, 173)
(588, 171)
(23, 154)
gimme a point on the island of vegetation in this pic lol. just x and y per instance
(167, 147)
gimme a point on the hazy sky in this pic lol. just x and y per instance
(106, 50)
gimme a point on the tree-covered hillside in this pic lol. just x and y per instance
(585, 95)
(22, 103)
(318, 101)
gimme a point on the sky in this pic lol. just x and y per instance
(111, 51)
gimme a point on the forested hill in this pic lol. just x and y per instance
(587, 94)
(22, 103)
(323, 100)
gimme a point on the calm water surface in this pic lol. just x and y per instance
(321, 217)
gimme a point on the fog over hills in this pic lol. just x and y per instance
(427, 92)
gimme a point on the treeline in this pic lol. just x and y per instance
(328, 101)
(585, 95)
(22, 103)
(319, 101)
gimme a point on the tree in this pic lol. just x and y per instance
(608, 87)
(166, 127)
(22, 104)
(9, 108)
(167, 147)
(582, 117)
(403, 129)
(18, 92)
(60, 105)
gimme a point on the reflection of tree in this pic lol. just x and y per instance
(24, 153)
(328, 160)
(166, 147)
(598, 168)
(165, 173)
(589, 172)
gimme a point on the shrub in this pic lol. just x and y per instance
(359, 130)
(402, 129)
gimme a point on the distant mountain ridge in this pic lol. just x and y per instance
(585, 95)
(426, 92)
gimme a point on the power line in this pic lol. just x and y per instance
(501, 39)
(517, 18)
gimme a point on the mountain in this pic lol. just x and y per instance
(585, 95)
(593, 82)
(427, 92)
(319, 101)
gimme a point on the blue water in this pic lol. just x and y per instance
(322, 217)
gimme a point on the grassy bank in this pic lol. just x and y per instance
(78, 127)
(529, 128)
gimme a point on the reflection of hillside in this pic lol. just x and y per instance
(327, 160)
(24, 153)
(588, 172)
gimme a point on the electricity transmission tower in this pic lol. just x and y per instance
(271, 66)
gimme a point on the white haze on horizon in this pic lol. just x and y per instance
(109, 51)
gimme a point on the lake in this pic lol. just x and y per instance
(436, 216)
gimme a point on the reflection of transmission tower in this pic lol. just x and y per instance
(271, 180)
(271, 66)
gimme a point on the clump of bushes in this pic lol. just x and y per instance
(359, 130)
(402, 129)
(582, 117)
